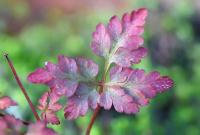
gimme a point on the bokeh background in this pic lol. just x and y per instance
(35, 31)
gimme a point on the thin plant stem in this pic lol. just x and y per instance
(97, 110)
(22, 87)
(94, 116)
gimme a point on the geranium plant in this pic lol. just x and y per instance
(121, 86)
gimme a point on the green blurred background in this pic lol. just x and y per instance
(35, 31)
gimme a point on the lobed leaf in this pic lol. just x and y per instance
(120, 42)
(128, 89)
(49, 106)
(74, 78)
(67, 75)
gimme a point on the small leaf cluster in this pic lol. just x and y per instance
(126, 89)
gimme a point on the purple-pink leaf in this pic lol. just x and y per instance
(120, 42)
(129, 89)
(9, 125)
(39, 128)
(85, 97)
(67, 75)
(6, 102)
(49, 106)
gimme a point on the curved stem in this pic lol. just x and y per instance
(22, 87)
(94, 116)
(96, 111)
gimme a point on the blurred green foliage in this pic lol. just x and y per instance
(32, 35)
